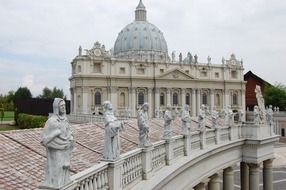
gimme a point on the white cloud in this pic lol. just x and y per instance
(52, 30)
(29, 82)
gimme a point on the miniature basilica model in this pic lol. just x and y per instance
(139, 69)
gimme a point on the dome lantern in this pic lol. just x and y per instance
(140, 12)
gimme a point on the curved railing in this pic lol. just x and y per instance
(142, 164)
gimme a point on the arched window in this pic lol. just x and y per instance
(188, 99)
(122, 99)
(141, 98)
(234, 99)
(97, 98)
(175, 98)
(217, 100)
(205, 99)
(162, 99)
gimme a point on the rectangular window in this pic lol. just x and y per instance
(97, 68)
(122, 70)
(162, 100)
(140, 71)
(233, 74)
(216, 74)
(204, 74)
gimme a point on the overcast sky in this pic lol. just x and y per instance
(38, 39)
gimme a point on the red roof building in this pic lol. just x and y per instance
(252, 81)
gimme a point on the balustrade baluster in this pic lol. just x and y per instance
(91, 183)
(106, 179)
(95, 182)
(98, 181)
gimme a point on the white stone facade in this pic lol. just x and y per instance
(130, 77)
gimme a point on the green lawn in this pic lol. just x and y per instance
(8, 128)
(8, 116)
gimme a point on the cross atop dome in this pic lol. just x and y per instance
(140, 12)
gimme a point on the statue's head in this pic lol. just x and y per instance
(270, 106)
(107, 105)
(186, 107)
(59, 107)
(255, 107)
(168, 107)
(145, 106)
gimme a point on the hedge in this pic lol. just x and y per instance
(26, 121)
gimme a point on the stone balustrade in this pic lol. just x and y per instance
(143, 163)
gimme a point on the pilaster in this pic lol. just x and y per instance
(150, 102)
(198, 100)
(194, 102)
(168, 96)
(183, 96)
(212, 100)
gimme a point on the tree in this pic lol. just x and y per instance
(55, 93)
(47, 93)
(276, 96)
(23, 92)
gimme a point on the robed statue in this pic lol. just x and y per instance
(58, 139)
(112, 129)
(143, 125)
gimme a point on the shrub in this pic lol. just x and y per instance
(1, 113)
(26, 121)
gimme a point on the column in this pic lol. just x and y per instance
(243, 103)
(84, 100)
(134, 103)
(168, 96)
(267, 175)
(200, 186)
(226, 98)
(228, 179)
(198, 100)
(113, 98)
(244, 176)
(253, 176)
(130, 105)
(214, 183)
(157, 102)
(74, 102)
(212, 99)
(150, 102)
(194, 111)
(183, 96)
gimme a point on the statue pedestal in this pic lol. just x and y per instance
(147, 162)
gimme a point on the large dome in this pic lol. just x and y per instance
(141, 39)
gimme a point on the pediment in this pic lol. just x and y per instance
(176, 74)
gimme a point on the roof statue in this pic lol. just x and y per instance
(261, 104)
